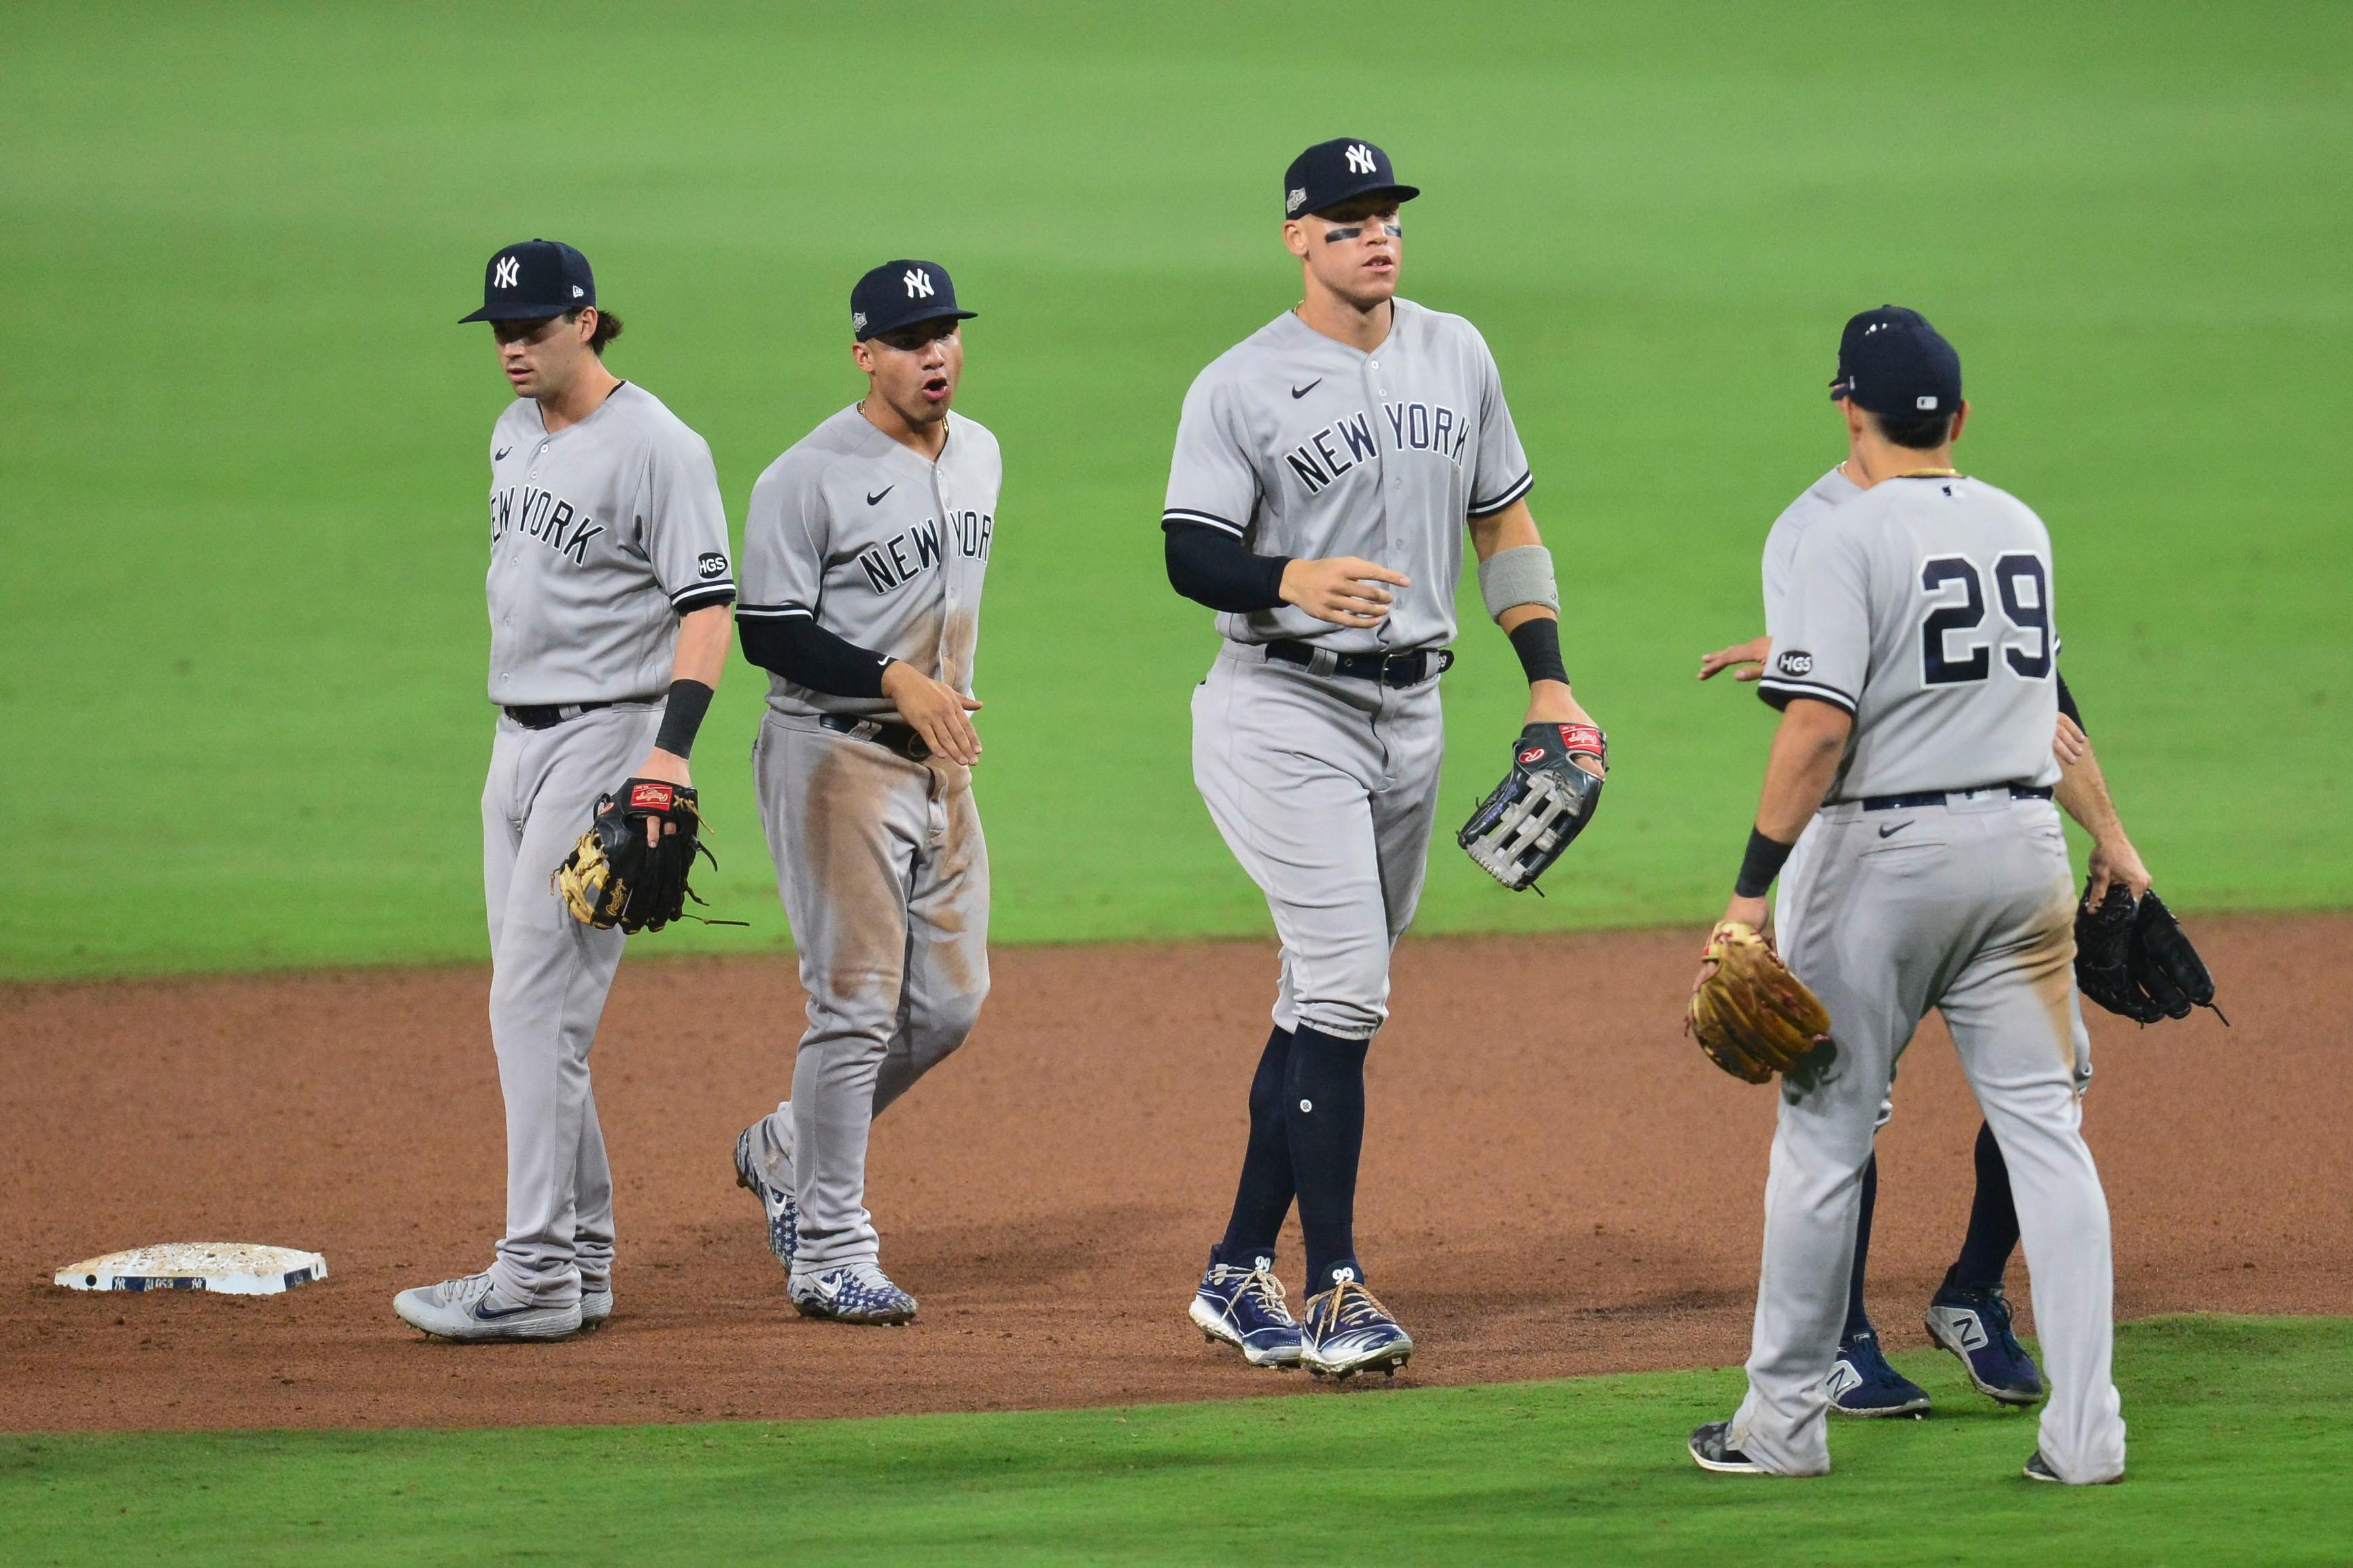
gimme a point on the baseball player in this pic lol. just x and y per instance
(1969, 1315)
(1325, 471)
(1914, 659)
(865, 549)
(609, 588)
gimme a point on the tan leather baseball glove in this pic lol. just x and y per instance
(1750, 1014)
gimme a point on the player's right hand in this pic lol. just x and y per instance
(935, 710)
(2069, 745)
(1345, 590)
(1749, 656)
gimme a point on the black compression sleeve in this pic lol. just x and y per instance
(1211, 566)
(1759, 865)
(2067, 705)
(805, 653)
(682, 717)
(1538, 642)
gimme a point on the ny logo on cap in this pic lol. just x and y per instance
(1360, 159)
(918, 282)
(506, 273)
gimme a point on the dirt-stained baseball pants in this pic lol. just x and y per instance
(884, 876)
(1968, 908)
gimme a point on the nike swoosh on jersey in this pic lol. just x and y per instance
(878, 495)
(1299, 391)
(1891, 832)
(501, 455)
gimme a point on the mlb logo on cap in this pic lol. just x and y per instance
(1891, 361)
(535, 280)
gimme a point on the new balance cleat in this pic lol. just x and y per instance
(1347, 1331)
(853, 1293)
(1244, 1307)
(1975, 1326)
(1862, 1383)
(473, 1309)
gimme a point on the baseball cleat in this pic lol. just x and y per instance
(1711, 1450)
(783, 1215)
(474, 1309)
(2038, 1469)
(1347, 1331)
(1862, 1383)
(1975, 1326)
(853, 1293)
(596, 1303)
(1244, 1307)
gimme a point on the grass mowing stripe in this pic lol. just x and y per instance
(2239, 1448)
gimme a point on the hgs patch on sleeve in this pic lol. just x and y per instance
(712, 564)
(1796, 662)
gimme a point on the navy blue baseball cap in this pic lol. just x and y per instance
(535, 280)
(1331, 173)
(899, 294)
(1891, 361)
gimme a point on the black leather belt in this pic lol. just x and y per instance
(900, 738)
(548, 716)
(1939, 797)
(1388, 668)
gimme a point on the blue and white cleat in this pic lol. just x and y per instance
(1711, 1450)
(783, 1215)
(1975, 1326)
(1347, 1331)
(473, 1309)
(1244, 1307)
(853, 1293)
(1862, 1383)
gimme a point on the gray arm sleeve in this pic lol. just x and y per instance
(1520, 575)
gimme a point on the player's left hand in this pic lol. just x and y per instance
(669, 767)
(1745, 660)
(1550, 702)
(2069, 745)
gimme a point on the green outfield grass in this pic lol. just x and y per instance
(2239, 1454)
(241, 627)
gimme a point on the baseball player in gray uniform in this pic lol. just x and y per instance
(1915, 658)
(865, 549)
(1327, 469)
(608, 591)
(1969, 1314)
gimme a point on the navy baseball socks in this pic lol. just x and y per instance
(1262, 1197)
(1993, 1223)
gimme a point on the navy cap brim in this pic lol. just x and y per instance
(518, 312)
(934, 313)
(1402, 193)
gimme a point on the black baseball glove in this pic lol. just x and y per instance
(1543, 803)
(615, 878)
(2133, 959)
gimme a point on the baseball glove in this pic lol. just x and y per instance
(614, 877)
(1543, 803)
(1750, 1014)
(2133, 959)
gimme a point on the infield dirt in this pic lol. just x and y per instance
(1554, 1181)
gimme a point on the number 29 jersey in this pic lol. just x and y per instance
(1924, 608)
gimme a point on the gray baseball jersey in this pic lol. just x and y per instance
(1924, 608)
(879, 547)
(602, 534)
(1303, 446)
(1825, 495)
